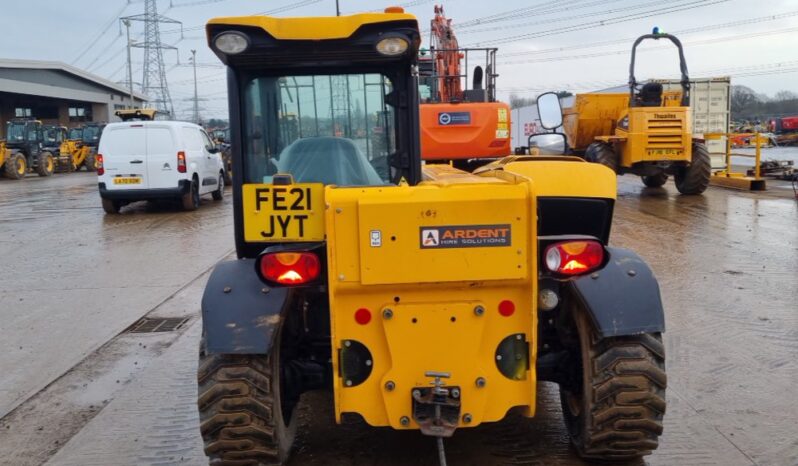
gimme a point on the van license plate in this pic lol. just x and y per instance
(283, 213)
(127, 180)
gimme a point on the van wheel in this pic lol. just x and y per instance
(45, 166)
(191, 199)
(614, 403)
(218, 195)
(111, 206)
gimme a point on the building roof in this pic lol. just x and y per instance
(60, 66)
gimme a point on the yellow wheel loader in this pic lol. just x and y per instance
(647, 132)
(14, 165)
(424, 298)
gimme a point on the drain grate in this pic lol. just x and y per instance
(158, 324)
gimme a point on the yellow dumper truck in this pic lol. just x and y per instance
(423, 297)
(646, 132)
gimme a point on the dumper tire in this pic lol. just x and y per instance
(655, 181)
(16, 167)
(602, 153)
(45, 163)
(694, 178)
(111, 207)
(239, 402)
(618, 414)
(90, 162)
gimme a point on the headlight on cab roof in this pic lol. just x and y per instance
(392, 45)
(231, 42)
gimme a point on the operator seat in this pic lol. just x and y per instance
(650, 95)
(328, 160)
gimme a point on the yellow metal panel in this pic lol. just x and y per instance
(434, 226)
(283, 213)
(566, 178)
(447, 335)
(312, 28)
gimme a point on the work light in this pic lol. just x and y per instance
(231, 42)
(392, 46)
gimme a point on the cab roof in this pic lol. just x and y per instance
(311, 28)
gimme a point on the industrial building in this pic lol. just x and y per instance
(57, 93)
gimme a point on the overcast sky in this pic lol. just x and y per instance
(543, 44)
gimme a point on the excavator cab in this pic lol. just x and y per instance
(461, 121)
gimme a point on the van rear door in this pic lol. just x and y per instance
(124, 157)
(161, 157)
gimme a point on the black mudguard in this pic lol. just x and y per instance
(622, 298)
(239, 312)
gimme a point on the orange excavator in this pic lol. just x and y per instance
(460, 124)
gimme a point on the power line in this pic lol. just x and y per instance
(604, 22)
(570, 16)
(93, 41)
(282, 9)
(626, 51)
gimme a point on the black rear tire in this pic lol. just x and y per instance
(602, 153)
(45, 165)
(694, 178)
(16, 167)
(616, 403)
(111, 207)
(655, 181)
(90, 163)
(241, 411)
(218, 195)
(191, 200)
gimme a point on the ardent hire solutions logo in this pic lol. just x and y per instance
(465, 236)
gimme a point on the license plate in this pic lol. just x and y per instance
(665, 152)
(127, 180)
(283, 213)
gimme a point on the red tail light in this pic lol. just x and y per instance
(290, 268)
(574, 257)
(99, 161)
(181, 162)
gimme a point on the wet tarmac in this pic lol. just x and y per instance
(78, 390)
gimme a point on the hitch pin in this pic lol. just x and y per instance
(439, 390)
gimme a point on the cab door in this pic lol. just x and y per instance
(211, 161)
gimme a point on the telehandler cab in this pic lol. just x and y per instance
(424, 297)
(647, 134)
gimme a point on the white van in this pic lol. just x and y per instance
(140, 160)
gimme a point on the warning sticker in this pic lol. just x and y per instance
(502, 115)
(465, 236)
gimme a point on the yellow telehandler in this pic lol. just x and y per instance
(425, 298)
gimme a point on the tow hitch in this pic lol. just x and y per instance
(436, 410)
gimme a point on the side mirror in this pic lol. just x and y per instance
(213, 149)
(547, 144)
(549, 110)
